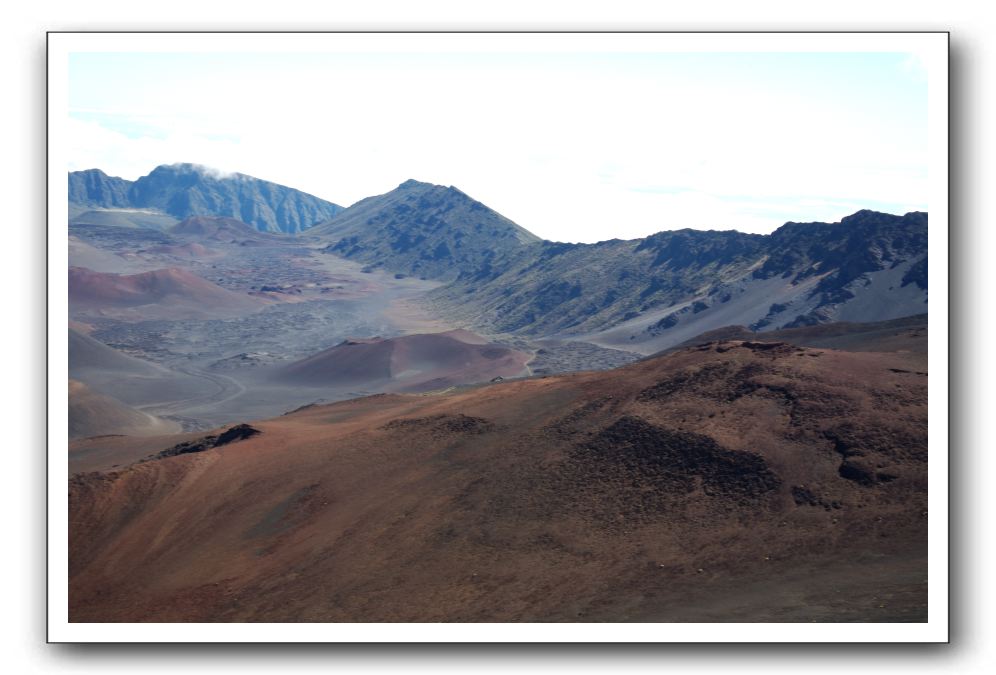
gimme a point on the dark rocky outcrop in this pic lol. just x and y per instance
(652, 468)
(239, 432)
(444, 424)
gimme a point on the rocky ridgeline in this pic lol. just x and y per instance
(184, 190)
(239, 432)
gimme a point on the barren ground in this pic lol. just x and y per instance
(736, 481)
(303, 301)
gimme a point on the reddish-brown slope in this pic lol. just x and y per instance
(165, 292)
(408, 363)
(734, 482)
(94, 414)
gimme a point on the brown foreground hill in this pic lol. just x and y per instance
(733, 481)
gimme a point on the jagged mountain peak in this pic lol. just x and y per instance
(94, 172)
(422, 229)
(869, 216)
(93, 187)
(201, 171)
(674, 284)
(412, 184)
(186, 189)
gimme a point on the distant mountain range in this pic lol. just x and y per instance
(183, 190)
(666, 288)
(641, 295)
(93, 187)
(423, 230)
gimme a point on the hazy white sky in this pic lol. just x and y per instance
(572, 146)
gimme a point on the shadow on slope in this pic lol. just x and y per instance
(417, 362)
(734, 481)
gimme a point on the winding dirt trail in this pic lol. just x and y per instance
(228, 389)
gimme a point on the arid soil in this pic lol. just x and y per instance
(94, 414)
(733, 481)
(879, 336)
(172, 292)
(220, 311)
(409, 363)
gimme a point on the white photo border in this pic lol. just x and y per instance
(931, 48)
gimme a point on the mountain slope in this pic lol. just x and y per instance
(83, 254)
(133, 381)
(649, 294)
(408, 363)
(552, 287)
(164, 293)
(905, 334)
(739, 481)
(124, 217)
(89, 355)
(93, 187)
(183, 190)
(94, 414)
(423, 230)
(186, 190)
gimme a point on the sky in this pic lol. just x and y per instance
(572, 146)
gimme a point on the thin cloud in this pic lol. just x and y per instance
(573, 148)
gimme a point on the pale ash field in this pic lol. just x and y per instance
(196, 326)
